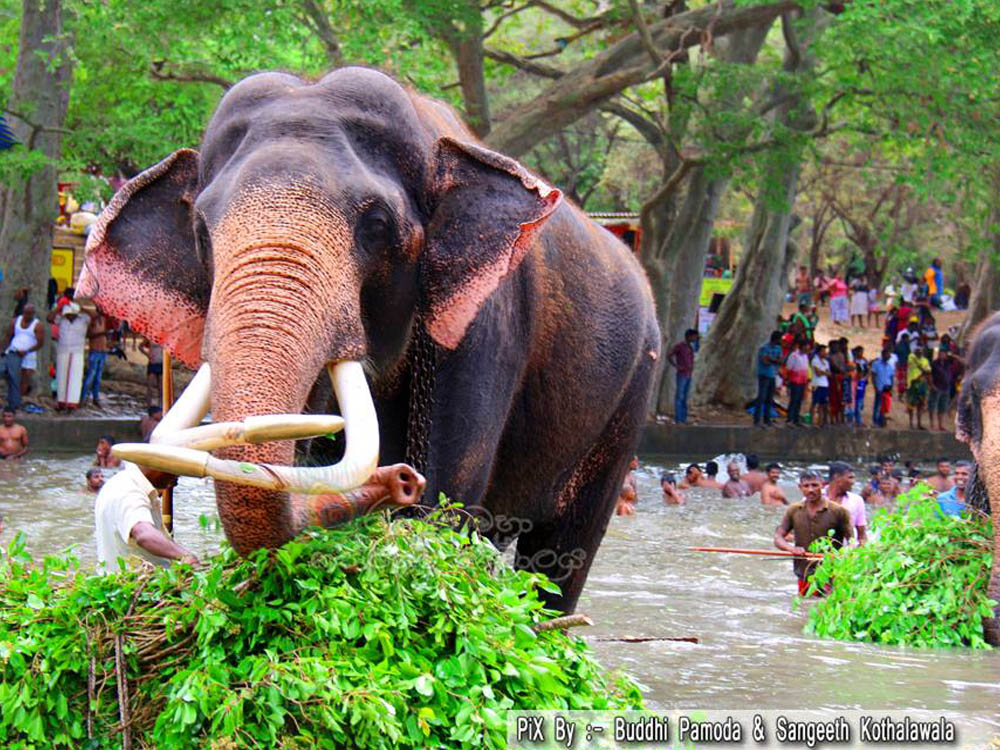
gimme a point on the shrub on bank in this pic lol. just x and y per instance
(921, 582)
(374, 635)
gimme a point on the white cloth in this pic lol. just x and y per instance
(906, 290)
(73, 333)
(798, 362)
(873, 300)
(69, 376)
(859, 303)
(24, 339)
(126, 499)
(70, 358)
(855, 505)
(838, 309)
(821, 372)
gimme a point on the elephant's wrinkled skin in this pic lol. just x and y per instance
(317, 222)
(978, 424)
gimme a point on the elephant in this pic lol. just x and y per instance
(472, 322)
(978, 425)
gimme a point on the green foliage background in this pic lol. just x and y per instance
(921, 582)
(375, 635)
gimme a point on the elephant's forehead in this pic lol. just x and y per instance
(344, 96)
(352, 112)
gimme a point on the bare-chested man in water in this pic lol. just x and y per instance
(13, 437)
(770, 492)
(628, 495)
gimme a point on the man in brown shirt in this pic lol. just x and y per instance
(812, 518)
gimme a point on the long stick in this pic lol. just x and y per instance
(166, 401)
(763, 552)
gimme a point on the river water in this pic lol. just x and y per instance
(751, 654)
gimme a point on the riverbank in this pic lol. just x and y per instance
(694, 442)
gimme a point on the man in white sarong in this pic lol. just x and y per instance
(70, 358)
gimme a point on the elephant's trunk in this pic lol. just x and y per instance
(284, 303)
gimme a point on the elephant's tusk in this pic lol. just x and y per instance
(360, 456)
(255, 430)
(189, 409)
(168, 458)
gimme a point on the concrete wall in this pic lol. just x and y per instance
(74, 434)
(692, 441)
(802, 444)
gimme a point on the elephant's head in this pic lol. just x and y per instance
(316, 223)
(978, 424)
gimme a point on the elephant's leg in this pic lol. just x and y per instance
(564, 548)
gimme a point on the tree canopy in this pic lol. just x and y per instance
(692, 112)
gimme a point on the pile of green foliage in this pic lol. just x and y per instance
(374, 635)
(921, 582)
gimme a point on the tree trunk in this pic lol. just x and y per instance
(37, 107)
(467, 47)
(683, 250)
(726, 370)
(686, 251)
(985, 297)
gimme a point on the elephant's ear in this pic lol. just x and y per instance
(142, 265)
(488, 211)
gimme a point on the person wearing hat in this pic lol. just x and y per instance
(73, 324)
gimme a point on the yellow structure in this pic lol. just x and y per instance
(67, 256)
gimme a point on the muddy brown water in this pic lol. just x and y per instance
(752, 652)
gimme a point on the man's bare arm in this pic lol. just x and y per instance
(39, 337)
(779, 538)
(24, 443)
(151, 539)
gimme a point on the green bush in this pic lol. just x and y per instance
(374, 635)
(921, 583)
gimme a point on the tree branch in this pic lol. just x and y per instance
(503, 17)
(320, 24)
(156, 70)
(649, 129)
(644, 37)
(572, 20)
(622, 65)
(791, 42)
(35, 127)
(538, 69)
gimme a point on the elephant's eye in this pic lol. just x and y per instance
(375, 230)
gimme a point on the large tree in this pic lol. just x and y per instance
(749, 310)
(36, 110)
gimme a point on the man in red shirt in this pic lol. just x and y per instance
(681, 357)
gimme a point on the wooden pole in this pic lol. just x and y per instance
(166, 401)
(763, 552)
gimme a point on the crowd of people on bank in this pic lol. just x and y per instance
(81, 339)
(829, 383)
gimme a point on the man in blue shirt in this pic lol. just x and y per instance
(768, 361)
(883, 376)
(952, 502)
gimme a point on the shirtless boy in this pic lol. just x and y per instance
(13, 437)
(770, 492)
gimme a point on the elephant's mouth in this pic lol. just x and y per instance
(180, 446)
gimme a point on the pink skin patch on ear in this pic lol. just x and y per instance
(166, 319)
(450, 320)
